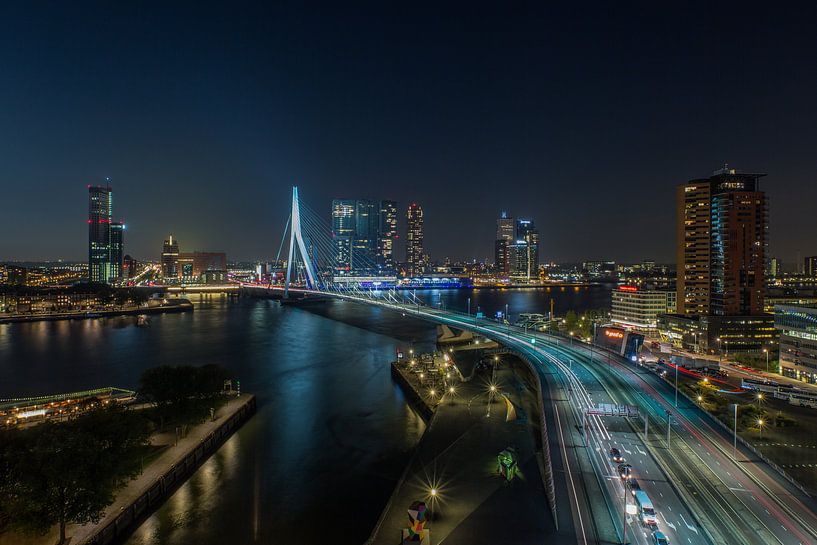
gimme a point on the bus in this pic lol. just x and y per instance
(646, 512)
(803, 399)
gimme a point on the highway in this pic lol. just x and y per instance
(582, 443)
(702, 489)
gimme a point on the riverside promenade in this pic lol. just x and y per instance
(172, 306)
(144, 494)
(454, 468)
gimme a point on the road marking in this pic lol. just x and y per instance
(735, 489)
(694, 529)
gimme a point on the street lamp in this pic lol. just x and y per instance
(760, 427)
(735, 443)
(766, 351)
(676, 385)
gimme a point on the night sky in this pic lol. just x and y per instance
(583, 118)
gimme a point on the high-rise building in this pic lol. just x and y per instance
(798, 341)
(505, 236)
(356, 237)
(722, 227)
(365, 239)
(100, 208)
(524, 252)
(415, 258)
(774, 268)
(810, 266)
(343, 232)
(170, 259)
(117, 250)
(129, 267)
(386, 237)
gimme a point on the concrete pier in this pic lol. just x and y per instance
(454, 468)
(160, 479)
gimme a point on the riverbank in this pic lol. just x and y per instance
(143, 495)
(454, 467)
(172, 305)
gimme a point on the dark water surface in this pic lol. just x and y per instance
(332, 433)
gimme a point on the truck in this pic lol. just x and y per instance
(646, 512)
(696, 364)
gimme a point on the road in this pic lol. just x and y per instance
(704, 490)
(580, 444)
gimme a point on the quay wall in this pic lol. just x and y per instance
(128, 519)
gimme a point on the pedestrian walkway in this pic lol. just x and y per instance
(454, 471)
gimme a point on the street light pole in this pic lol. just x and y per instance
(676, 385)
(766, 351)
(469, 306)
(507, 320)
(735, 441)
(624, 524)
(669, 429)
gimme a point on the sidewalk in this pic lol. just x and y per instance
(457, 457)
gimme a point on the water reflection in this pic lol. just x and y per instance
(332, 433)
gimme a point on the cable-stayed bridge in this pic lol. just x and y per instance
(704, 488)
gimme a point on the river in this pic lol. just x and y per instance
(332, 433)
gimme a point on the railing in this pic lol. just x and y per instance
(121, 526)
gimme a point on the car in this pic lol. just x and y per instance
(658, 538)
(634, 486)
(615, 454)
(624, 471)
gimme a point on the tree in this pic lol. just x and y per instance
(184, 393)
(571, 321)
(61, 473)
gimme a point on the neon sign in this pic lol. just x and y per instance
(613, 334)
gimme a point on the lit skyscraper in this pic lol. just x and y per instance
(343, 232)
(504, 238)
(117, 248)
(415, 258)
(523, 253)
(170, 258)
(387, 236)
(99, 234)
(364, 242)
(722, 227)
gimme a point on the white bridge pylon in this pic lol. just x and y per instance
(295, 236)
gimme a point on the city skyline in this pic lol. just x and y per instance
(201, 128)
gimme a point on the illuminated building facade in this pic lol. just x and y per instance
(117, 250)
(363, 235)
(100, 209)
(721, 245)
(798, 341)
(810, 266)
(386, 237)
(523, 252)
(638, 309)
(415, 257)
(170, 258)
(505, 236)
(343, 232)
(365, 239)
